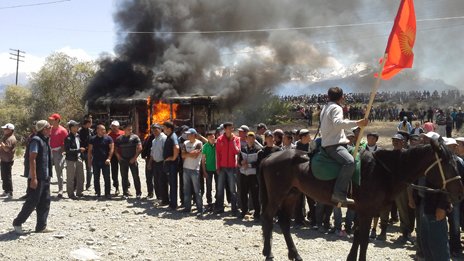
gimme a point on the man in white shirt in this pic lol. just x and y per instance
(191, 154)
(335, 142)
(156, 165)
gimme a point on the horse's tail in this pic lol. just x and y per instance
(262, 187)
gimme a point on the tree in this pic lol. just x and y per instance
(59, 86)
(15, 108)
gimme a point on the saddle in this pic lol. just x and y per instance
(325, 168)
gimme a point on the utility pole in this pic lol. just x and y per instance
(16, 55)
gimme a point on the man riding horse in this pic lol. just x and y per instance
(335, 142)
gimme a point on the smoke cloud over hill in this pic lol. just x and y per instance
(242, 65)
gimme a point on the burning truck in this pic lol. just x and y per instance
(195, 111)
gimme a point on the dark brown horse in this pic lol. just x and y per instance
(384, 175)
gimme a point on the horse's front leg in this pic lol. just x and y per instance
(364, 227)
(267, 226)
(284, 222)
(353, 255)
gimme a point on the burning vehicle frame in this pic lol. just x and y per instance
(194, 111)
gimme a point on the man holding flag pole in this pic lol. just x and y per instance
(398, 55)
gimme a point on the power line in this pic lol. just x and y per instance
(290, 28)
(16, 55)
(35, 4)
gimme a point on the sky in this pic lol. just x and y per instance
(85, 29)
(80, 28)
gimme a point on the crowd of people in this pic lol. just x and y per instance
(180, 162)
(309, 105)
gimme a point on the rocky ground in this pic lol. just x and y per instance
(131, 229)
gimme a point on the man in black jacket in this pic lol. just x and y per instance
(149, 174)
(74, 164)
(85, 133)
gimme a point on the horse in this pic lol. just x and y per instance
(284, 175)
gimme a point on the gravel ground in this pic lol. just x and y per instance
(120, 229)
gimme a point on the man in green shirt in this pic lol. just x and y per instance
(208, 163)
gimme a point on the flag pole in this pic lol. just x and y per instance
(371, 101)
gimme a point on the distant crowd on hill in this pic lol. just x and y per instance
(309, 105)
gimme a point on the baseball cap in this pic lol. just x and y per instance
(72, 123)
(244, 128)
(8, 126)
(303, 132)
(42, 124)
(279, 131)
(349, 133)
(191, 131)
(261, 125)
(268, 133)
(156, 126)
(414, 137)
(398, 137)
(460, 139)
(54, 116)
(431, 135)
(250, 133)
(115, 123)
(373, 134)
(450, 141)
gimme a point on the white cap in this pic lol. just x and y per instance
(8, 126)
(461, 139)
(115, 123)
(432, 135)
(450, 141)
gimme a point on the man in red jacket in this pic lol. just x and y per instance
(227, 148)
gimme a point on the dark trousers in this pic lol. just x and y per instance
(100, 166)
(249, 185)
(161, 182)
(114, 171)
(125, 165)
(171, 171)
(150, 179)
(323, 213)
(38, 199)
(454, 229)
(181, 184)
(434, 237)
(209, 185)
(300, 210)
(7, 183)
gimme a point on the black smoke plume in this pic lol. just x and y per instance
(174, 59)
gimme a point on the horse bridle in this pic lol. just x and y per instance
(442, 174)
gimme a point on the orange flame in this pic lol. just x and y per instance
(162, 112)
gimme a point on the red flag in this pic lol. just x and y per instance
(401, 41)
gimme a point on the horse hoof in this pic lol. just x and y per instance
(269, 258)
(298, 258)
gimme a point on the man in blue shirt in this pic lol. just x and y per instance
(101, 149)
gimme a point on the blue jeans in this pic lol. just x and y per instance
(226, 175)
(105, 169)
(341, 155)
(455, 229)
(191, 177)
(171, 171)
(434, 237)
